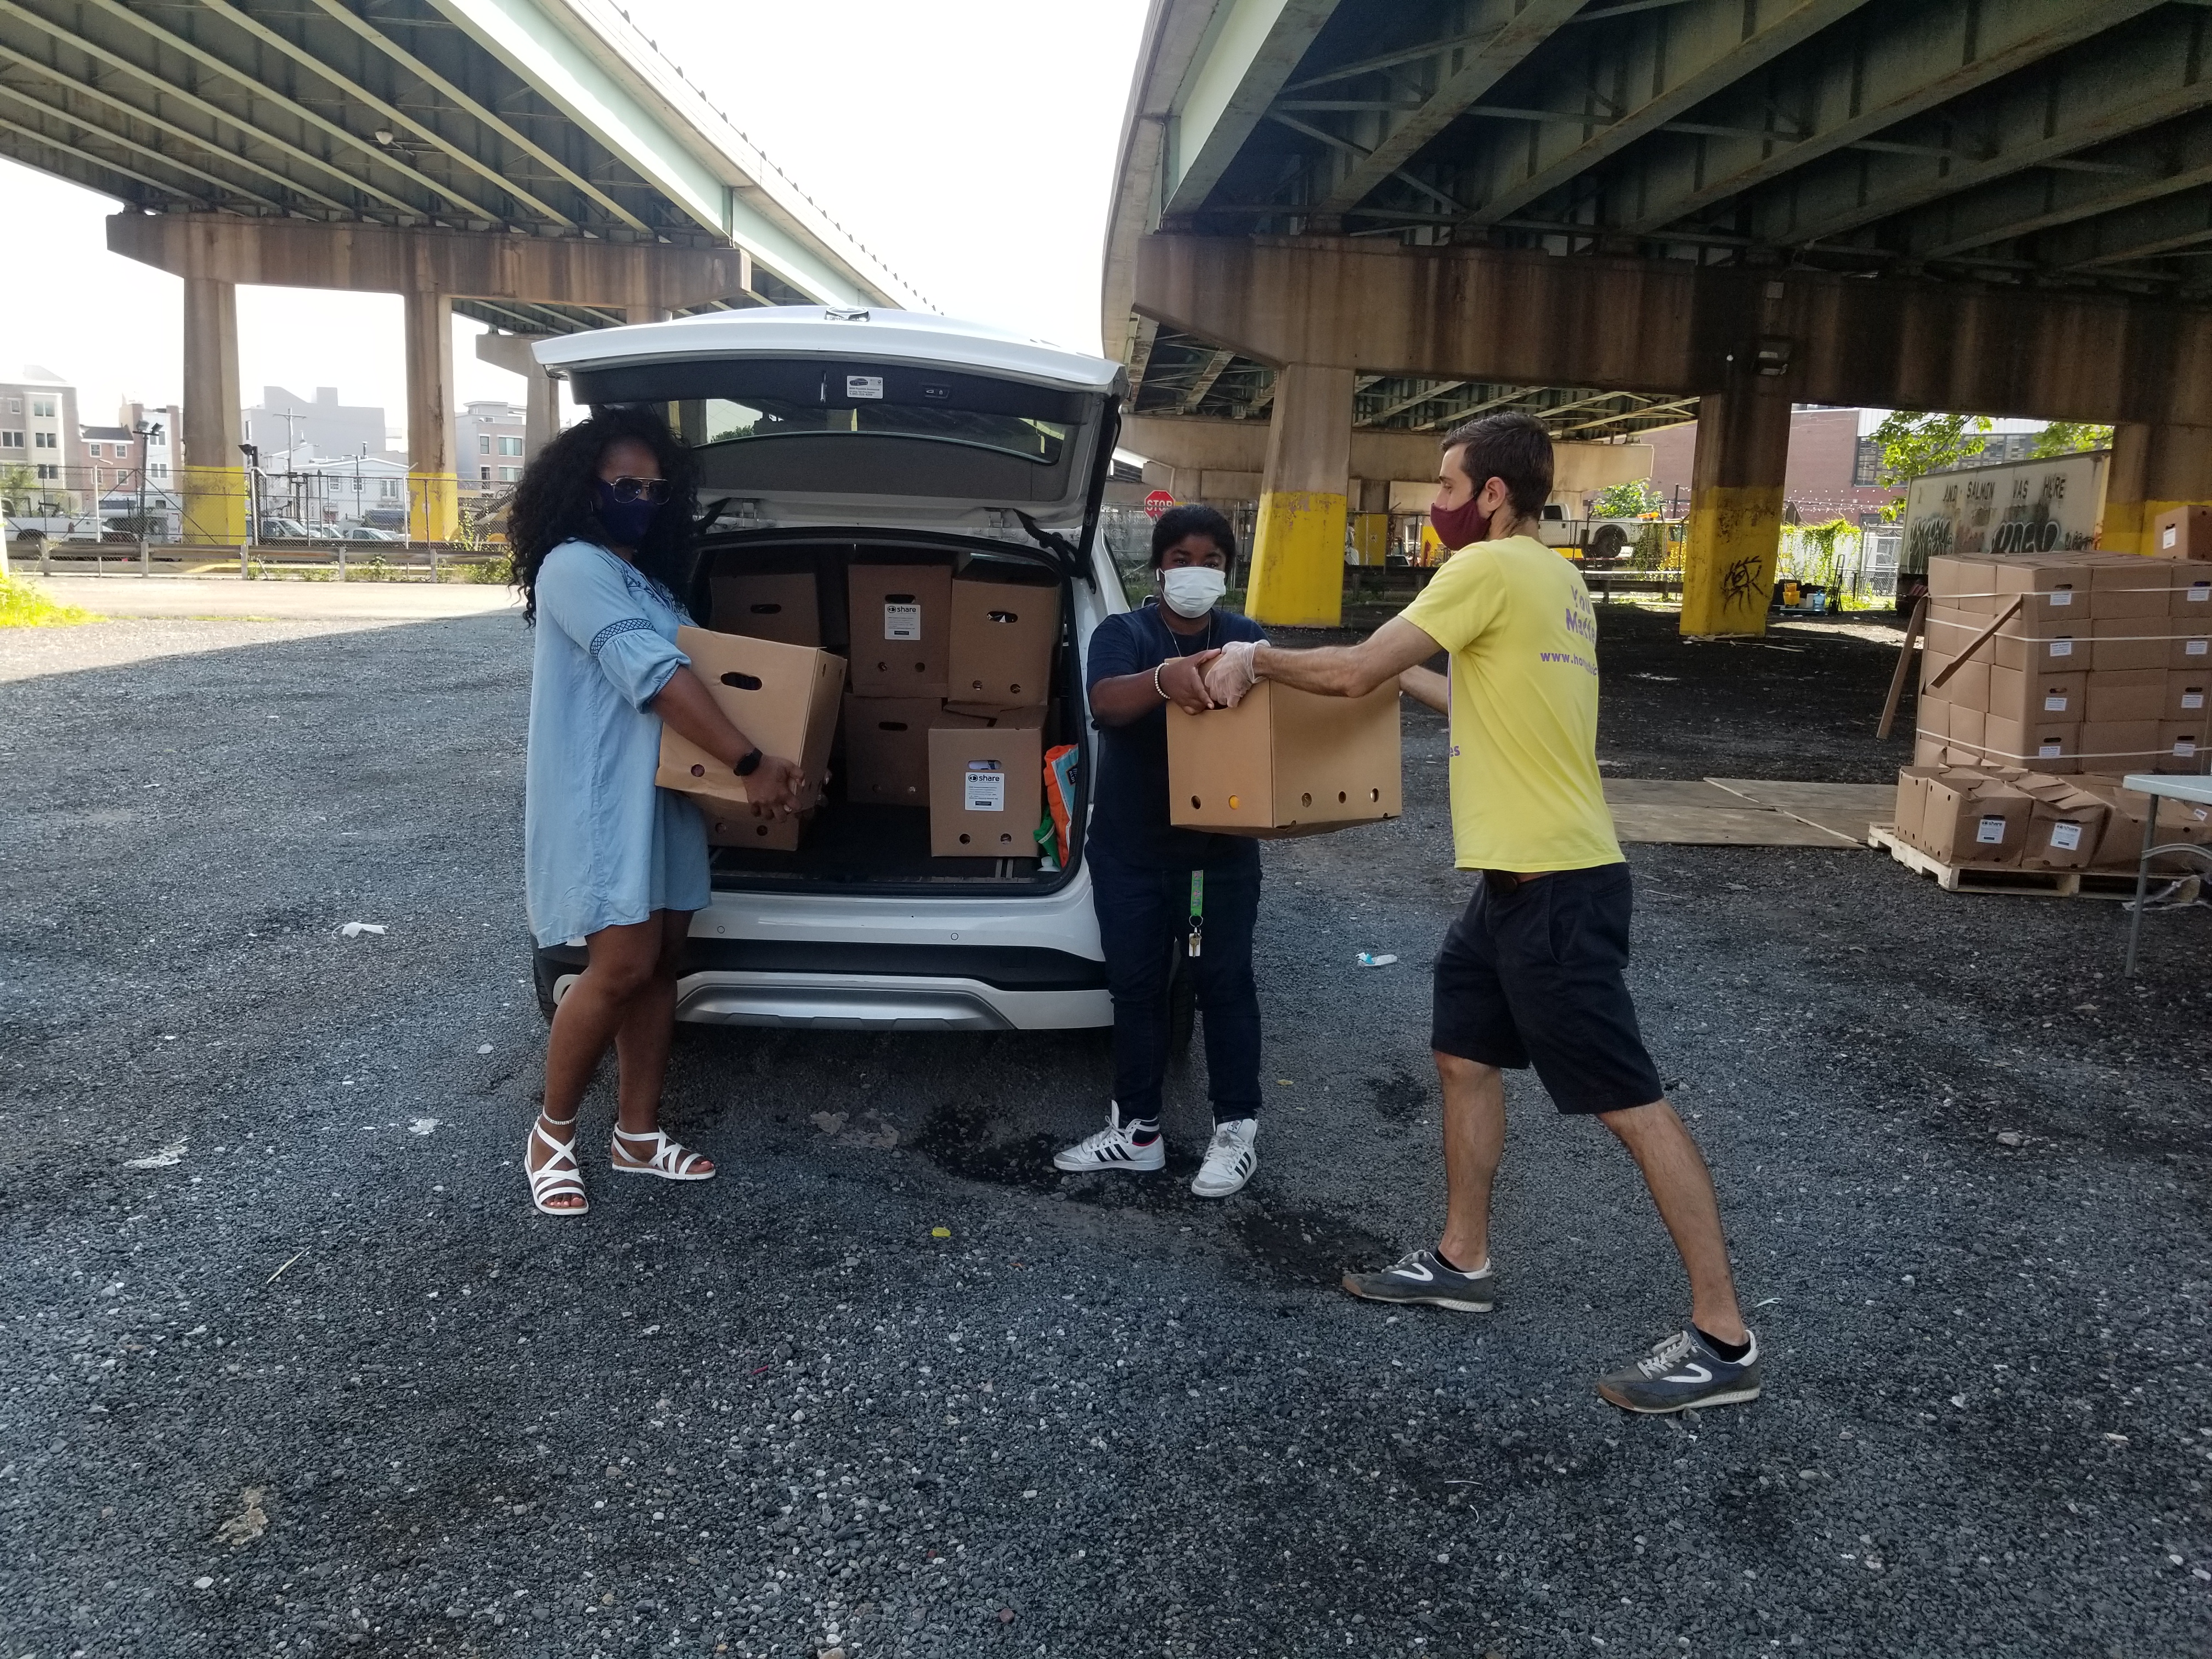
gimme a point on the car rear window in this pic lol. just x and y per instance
(721, 421)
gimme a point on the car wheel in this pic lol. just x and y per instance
(543, 974)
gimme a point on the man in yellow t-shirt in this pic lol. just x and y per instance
(1531, 973)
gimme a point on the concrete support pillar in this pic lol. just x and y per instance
(541, 412)
(1736, 507)
(212, 476)
(434, 505)
(2155, 469)
(1297, 546)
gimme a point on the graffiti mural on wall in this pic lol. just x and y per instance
(2027, 506)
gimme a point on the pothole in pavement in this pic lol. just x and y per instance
(1306, 1247)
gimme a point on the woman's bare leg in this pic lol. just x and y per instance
(621, 961)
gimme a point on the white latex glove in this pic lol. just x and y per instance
(1233, 673)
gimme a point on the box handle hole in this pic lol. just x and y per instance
(743, 681)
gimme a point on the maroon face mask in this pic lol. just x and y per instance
(1460, 526)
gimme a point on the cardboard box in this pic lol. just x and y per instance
(2063, 830)
(2185, 532)
(2040, 647)
(2127, 811)
(2134, 694)
(743, 826)
(1928, 750)
(784, 698)
(1969, 685)
(2184, 745)
(2054, 592)
(902, 626)
(2189, 648)
(887, 747)
(986, 792)
(1036, 715)
(1911, 799)
(2130, 642)
(1967, 727)
(2119, 745)
(1003, 637)
(1285, 763)
(786, 608)
(1966, 584)
(2191, 597)
(1971, 820)
(2122, 585)
(2050, 746)
(2188, 696)
(2017, 694)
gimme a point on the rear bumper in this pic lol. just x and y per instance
(855, 987)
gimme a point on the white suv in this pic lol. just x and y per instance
(826, 437)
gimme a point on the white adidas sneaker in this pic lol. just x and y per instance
(1229, 1160)
(1116, 1147)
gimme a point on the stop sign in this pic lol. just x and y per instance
(1158, 502)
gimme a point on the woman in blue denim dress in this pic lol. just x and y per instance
(600, 532)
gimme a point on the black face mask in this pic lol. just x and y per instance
(627, 522)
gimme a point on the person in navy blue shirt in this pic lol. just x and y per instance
(1156, 887)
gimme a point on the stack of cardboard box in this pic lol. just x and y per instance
(946, 693)
(2103, 665)
(2007, 815)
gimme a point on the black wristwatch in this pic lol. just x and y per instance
(750, 764)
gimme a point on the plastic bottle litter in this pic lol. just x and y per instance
(1368, 959)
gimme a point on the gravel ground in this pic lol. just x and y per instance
(292, 1369)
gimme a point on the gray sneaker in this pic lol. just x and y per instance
(1421, 1278)
(1682, 1372)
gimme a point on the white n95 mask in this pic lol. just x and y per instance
(1191, 589)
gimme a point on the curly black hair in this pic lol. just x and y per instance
(556, 502)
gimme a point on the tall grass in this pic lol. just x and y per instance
(22, 605)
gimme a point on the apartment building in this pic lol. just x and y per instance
(489, 454)
(39, 429)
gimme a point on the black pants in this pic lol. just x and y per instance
(1144, 917)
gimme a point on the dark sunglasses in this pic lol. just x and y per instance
(639, 490)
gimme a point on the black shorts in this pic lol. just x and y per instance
(1534, 977)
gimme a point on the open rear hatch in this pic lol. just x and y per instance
(912, 494)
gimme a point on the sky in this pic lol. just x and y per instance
(970, 143)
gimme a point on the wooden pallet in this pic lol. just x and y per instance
(2021, 882)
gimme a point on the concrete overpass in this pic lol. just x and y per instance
(536, 164)
(1342, 216)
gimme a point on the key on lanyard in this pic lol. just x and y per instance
(1197, 940)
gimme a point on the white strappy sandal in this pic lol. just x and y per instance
(559, 1175)
(670, 1159)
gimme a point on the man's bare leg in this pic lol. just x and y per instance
(1682, 1186)
(1475, 1140)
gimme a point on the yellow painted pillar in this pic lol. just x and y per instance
(211, 475)
(433, 491)
(2154, 470)
(1736, 507)
(1297, 546)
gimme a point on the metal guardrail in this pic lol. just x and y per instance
(342, 560)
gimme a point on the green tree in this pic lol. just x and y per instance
(1914, 442)
(2064, 437)
(1631, 499)
(18, 486)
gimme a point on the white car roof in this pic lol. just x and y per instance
(914, 337)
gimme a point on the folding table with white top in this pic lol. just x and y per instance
(2157, 785)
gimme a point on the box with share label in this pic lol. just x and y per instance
(1967, 820)
(901, 618)
(986, 792)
